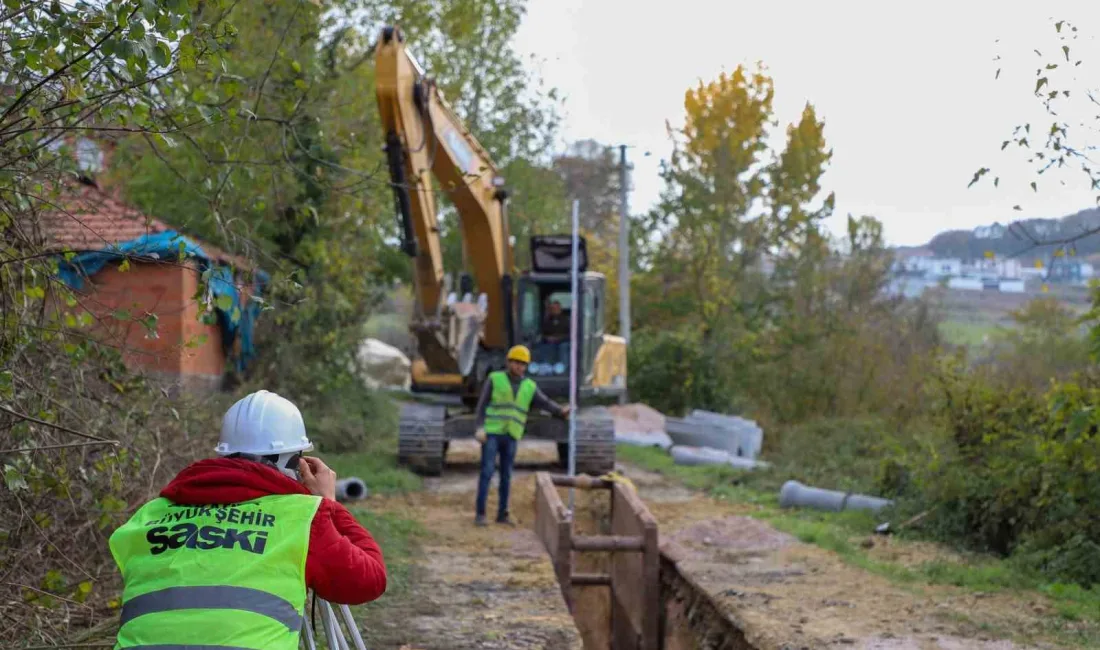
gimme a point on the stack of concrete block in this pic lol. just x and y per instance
(737, 436)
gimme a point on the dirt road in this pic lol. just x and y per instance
(473, 587)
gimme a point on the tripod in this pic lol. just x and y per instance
(334, 635)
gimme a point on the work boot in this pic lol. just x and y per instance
(506, 520)
(480, 521)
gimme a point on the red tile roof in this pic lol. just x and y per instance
(88, 219)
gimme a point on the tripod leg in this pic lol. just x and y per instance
(307, 634)
(330, 631)
(353, 627)
(341, 642)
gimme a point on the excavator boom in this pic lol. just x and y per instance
(458, 341)
(425, 137)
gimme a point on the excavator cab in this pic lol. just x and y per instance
(544, 308)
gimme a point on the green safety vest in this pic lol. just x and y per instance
(507, 413)
(231, 576)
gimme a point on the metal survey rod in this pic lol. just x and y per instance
(573, 356)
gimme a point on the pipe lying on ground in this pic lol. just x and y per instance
(350, 489)
(795, 494)
(748, 433)
(685, 455)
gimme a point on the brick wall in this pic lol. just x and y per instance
(184, 348)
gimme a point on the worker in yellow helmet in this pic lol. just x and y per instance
(501, 420)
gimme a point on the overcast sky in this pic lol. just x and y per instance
(907, 91)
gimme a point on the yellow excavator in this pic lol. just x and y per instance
(463, 335)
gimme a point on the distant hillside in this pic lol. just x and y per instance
(1005, 241)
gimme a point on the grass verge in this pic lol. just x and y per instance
(376, 465)
(968, 333)
(397, 536)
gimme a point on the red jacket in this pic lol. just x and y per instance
(344, 564)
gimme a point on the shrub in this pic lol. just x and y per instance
(1015, 473)
(308, 355)
(677, 370)
(60, 505)
(844, 454)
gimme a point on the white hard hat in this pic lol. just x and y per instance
(263, 424)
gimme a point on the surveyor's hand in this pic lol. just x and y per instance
(318, 477)
(565, 411)
(480, 436)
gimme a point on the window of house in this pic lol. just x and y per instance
(89, 157)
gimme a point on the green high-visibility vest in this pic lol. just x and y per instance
(507, 413)
(200, 576)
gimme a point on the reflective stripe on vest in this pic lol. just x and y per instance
(243, 598)
(215, 576)
(185, 647)
(507, 413)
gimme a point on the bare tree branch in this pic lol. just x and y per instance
(43, 423)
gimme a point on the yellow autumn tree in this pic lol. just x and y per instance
(731, 206)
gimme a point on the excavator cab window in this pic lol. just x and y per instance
(545, 312)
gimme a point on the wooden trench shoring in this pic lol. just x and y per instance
(633, 570)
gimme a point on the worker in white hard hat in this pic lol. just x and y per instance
(241, 538)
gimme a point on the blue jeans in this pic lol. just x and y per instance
(503, 445)
(552, 352)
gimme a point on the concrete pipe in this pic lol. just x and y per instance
(685, 455)
(747, 463)
(350, 489)
(796, 495)
(689, 455)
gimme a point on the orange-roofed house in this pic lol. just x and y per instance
(143, 283)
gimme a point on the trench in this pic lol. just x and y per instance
(493, 588)
(689, 618)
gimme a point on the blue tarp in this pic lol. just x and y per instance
(233, 318)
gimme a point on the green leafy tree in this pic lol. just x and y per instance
(83, 438)
(758, 309)
(252, 126)
(289, 166)
(466, 47)
(730, 205)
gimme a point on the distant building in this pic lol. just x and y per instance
(1010, 269)
(1033, 273)
(1012, 286)
(996, 231)
(965, 284)
(1069, 271)
(930, 267)
(995, 269)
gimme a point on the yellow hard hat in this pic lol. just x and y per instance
(520, 353)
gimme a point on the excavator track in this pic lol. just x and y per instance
(421, 438)
(595, 442)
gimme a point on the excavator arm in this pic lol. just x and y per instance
(425, 138)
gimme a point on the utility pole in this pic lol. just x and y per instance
(624, 253)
